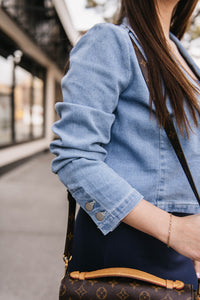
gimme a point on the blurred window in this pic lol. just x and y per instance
(22, 85)
(22, 96)
(38, 107)
(29, 110)
(5, 101)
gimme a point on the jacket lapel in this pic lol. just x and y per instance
(186, 56)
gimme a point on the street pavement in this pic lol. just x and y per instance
(33, 221)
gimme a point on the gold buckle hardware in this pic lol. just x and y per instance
(66, 261)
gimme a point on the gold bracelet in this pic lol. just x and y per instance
(170, 229)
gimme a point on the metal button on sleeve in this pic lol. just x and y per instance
(100, 216)
(89, 206)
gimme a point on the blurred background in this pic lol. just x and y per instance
(36, 37)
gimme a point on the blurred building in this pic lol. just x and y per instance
(36, 37)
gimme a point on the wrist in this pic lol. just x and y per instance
(174, 232)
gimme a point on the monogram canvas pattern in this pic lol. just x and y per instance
(119, 289)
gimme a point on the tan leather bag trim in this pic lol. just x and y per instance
(129, 273)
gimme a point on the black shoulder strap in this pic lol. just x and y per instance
(70, 228)
(172, 135)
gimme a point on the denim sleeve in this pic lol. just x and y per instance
(99, 72)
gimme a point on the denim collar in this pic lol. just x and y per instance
(180, 47)
(132, 34)
(185, 55)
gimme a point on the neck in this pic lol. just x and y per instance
(165, 10)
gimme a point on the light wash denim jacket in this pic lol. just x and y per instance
(110, 152)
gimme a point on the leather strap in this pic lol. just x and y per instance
(172, 135)
(70, 227)
(129, 273)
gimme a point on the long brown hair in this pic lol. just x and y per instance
(143, 18)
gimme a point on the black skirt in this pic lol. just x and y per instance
(127, 247)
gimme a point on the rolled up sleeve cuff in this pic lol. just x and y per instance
(111, 201)
(113, 219)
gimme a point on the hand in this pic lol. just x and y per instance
(185, 231)
(185, 236)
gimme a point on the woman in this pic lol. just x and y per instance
(113, 153)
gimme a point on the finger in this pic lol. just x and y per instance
(197, 268)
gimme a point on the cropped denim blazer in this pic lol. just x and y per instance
(111, 153)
